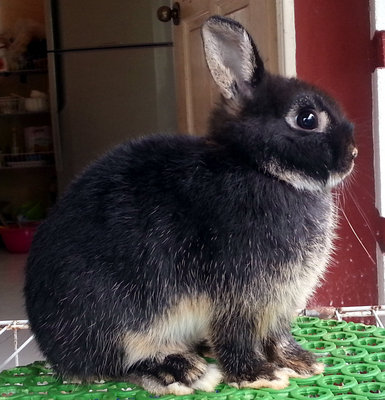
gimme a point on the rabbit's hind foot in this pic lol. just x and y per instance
(178, 374)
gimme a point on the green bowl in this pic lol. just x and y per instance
(360, 330)
(248, 394)
(379, 332)
(350, 354)
(143, 395)
(320, 347)
(340, 338)
(306, 322)
(371, 390)
(361, 372)
(11, 390)
(306, 393)
(312, 333)
(311, 381)
(282, 392)
(294, 329)
(338, 384)
(300, 340)
(331, 325)
(371, 344)
(333, 365)
(349, 397)
(376, 359)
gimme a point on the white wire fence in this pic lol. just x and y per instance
(14, 327)
(375, 313)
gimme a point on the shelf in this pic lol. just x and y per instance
(23, 114)
(22, 167)
(27, 160)
(24, 72)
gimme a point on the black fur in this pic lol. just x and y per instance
(242, 218)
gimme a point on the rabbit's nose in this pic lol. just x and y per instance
(354, 153)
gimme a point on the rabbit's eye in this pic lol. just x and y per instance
(307, 119)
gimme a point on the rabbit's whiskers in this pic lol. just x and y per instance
(357, 237)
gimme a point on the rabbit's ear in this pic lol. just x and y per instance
(232, 57)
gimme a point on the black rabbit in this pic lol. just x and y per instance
(169, 245)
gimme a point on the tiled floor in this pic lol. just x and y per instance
(12, 307)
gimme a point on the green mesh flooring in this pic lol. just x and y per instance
(354, 356)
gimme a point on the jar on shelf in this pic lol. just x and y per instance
(3, 58)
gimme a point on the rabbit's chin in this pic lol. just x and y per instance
(301, 181)
(335, 179)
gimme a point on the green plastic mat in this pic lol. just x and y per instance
(353, 354)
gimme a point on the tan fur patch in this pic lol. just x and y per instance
(265, 383)
(318, 368)
(294, 290)
(180, 326)
(168, 378)
(281, 382)
(154, 387)
(292, 374)
(179, 389)
(210, 379)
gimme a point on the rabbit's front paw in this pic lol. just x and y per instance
(292, 358)
(268, 377)
(209, 380)
(298, 370)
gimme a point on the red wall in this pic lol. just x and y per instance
(334, 52)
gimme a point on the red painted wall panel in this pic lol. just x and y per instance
(334, 51)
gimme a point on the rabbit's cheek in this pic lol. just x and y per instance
(296, 178)
(343, 148)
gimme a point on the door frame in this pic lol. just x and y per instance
(377, 28)
(286, 38)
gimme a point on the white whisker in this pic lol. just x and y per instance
(364, 217)
(355, 234)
